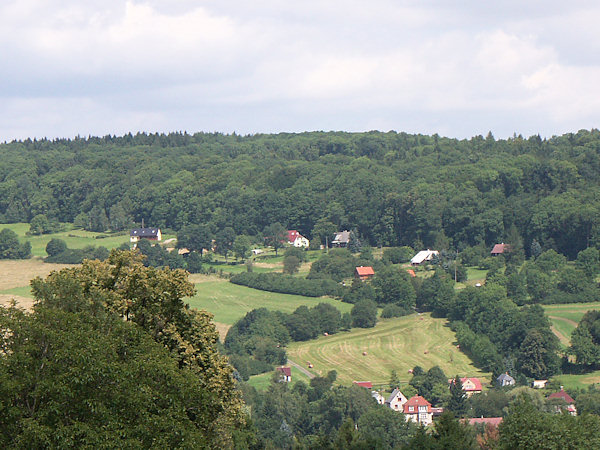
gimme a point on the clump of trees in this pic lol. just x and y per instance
(11, 247)
(287, 284)
(58, 252)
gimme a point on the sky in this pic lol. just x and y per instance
(459, 69)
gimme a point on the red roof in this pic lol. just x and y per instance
(365, 384)
(475, 381)
(292, 235)
(495, 421)
(365, 271)
(562, 394)
(499, 248)
(417, 401)
(287, 371)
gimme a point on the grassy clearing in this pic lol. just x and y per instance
(15, 273)
(263, 381)
(229, 302)
(564, 317)
(394, 344)
(578, 381)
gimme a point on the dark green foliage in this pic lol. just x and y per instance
(11, 248)
(40, 224)
(457, 403)
(157, 256)
(394, 310)
(275, 236)
(358, 291)
(55, 246)
(195, 238)
(588, 261)
(585, 340)
(286, 284)
(394, 286)
(337, 265)
(298, 252)
(436, 294)
(77, 380)
(433, 384)
(491, 403)
(364, 314)
(397, 255)
(291, 264)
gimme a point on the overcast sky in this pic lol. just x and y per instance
(455, 68)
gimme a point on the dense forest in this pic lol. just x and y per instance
(394, 188)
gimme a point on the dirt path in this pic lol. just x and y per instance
(301, 369)
(563, 319)
(561, 337)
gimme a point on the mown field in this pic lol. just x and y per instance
(564, 318)
(229, 302)
(394, 344)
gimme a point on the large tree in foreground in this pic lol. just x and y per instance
(152, 299)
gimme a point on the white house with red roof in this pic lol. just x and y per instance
(569, 403)
(286, 373)
(418, 410)
(470, 386)
(296, 239)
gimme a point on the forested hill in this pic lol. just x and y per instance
(394, 188)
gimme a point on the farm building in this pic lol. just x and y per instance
(539, 384)
(364, 273)
(500, 249)
(341, 239)
(423, 256)
(296, 239)
(286, 373)
(152, 234)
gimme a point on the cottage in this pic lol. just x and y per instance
(286, 374)
(505, 380)
(539, 384)
(341, 239)
(500, 249)
(564, 402)
(418, 410)
(470, 386)
(380, 399)
(364, 273)
(152, 234)
(396, 400)
(296, 239)
(423, 256)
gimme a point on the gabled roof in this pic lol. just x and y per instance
(500, 248)
(562, 395)
(145, 232)
(423, 255)
(292, 235)
(505, 377)
(287, 371)
(417, 401)
(394, 394)
(341, 237)
(365, 384)
(365, 271)
(476, 384)
(495, 421)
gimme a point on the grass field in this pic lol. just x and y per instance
(229, 302)
(578, 381)
(564, 318)
(261, 382)
(73, 238)
(394, 344)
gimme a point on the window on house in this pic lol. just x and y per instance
(411, 408)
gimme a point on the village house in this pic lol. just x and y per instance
(539, 384)
(564, 402)
(505, 380)
(380, 399)
(286, 374)
(341, 239)
(500, 249)
(364, 273)
(470, 386)
(418, 410)
(423, 256)
(296, 239)
(152, 234)
(396, 400)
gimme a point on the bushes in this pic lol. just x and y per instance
(397, 255)
(58, 252)
(395, 311)
(285, 284)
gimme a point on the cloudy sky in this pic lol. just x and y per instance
(72, 67)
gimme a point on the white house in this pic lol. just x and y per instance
(505, 380)
(396, 400)
(539, 384)
(378, 397)
(296, 239)
(152, 234)
(418, 410)
(422, 256)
